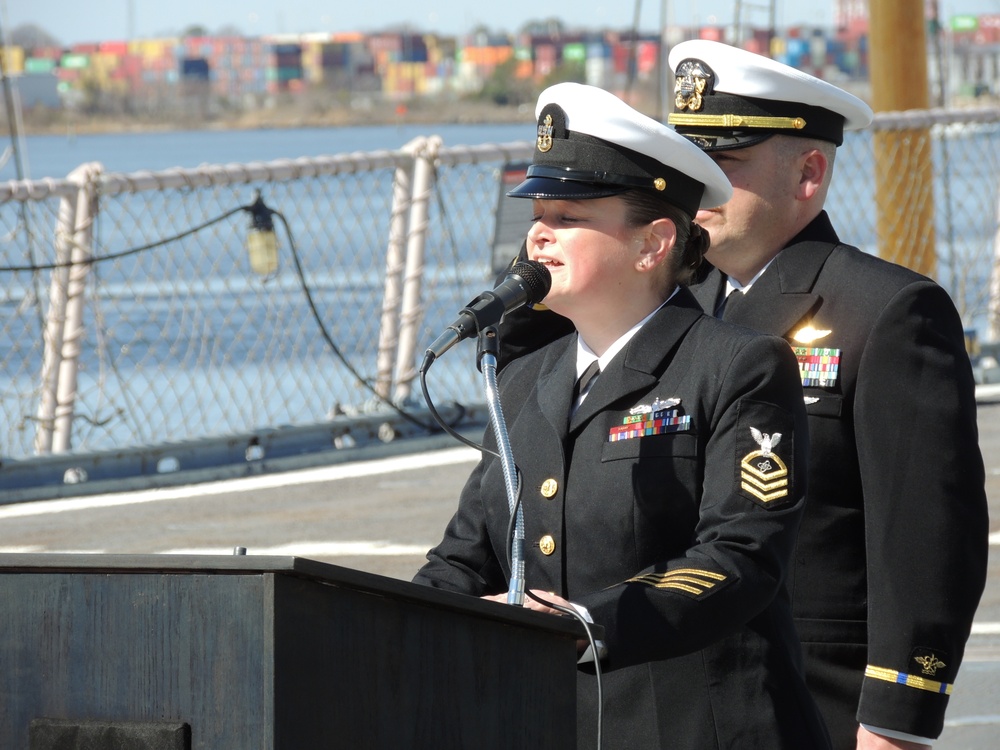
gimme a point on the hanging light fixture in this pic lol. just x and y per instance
(262, 243)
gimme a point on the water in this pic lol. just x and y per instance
(967, 255)
(165, 360)
(57, 155)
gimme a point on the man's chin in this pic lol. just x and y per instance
(715, 255)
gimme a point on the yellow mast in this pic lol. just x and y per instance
(904, 176)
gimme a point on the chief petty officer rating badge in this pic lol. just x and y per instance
(762, 473)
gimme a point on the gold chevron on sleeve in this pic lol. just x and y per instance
(689, 580)
(763, 479)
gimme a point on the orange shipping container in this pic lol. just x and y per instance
(491, 56)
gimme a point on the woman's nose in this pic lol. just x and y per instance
(539, 234)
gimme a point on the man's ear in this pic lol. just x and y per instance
(812, 174)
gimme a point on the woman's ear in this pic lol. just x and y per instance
(658, 238)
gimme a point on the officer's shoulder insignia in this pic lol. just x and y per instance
(694, 582)
(764, 475)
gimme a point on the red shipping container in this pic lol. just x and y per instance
(545, 53)
(47, 53)
(648, 56)
(620, 56)
(131, 64)
(114, 48)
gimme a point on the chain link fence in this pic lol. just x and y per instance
(134, 316)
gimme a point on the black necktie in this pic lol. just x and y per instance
(725, 308)
(592, 371)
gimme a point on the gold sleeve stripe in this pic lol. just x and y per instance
(737, 121)
(680, 587)
(692, 581)
(693, 572)
(910, 680)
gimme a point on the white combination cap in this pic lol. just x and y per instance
(591, 144)
(726, 97)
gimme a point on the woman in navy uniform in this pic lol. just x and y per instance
(663, 498)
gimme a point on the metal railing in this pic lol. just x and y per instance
(133, 316)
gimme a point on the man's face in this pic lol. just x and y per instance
(754, 225)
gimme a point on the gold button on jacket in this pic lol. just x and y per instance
(547, 544)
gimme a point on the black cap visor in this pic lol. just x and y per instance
(717, 141)
(555, 183)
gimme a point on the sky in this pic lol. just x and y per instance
(75, 21)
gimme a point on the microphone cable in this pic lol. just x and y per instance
(325, 333)
(567, 611)
(511, 523)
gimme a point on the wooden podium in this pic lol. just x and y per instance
(244, 652)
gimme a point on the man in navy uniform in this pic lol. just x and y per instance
(891, 557)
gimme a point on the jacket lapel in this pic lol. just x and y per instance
(707, 287)
(784, 294)
(639, 365)
(555, 384)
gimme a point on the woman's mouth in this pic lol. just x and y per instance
(548, 262)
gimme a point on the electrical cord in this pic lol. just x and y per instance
(593, 648)
(261, 212)
(565, 610)
(125, 253)
(511, 524)
(424, 367)
(329, 339)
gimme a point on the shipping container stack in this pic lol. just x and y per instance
(284, 73)
(403, 65)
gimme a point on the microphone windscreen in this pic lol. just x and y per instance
(536, 278)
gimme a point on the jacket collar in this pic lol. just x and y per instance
(783, 295)
(637, 367)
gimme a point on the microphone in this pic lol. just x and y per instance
(527, 283)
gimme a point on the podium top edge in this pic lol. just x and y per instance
(321, 572)
(38, 562)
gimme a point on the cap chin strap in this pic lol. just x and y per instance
(736, 121)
